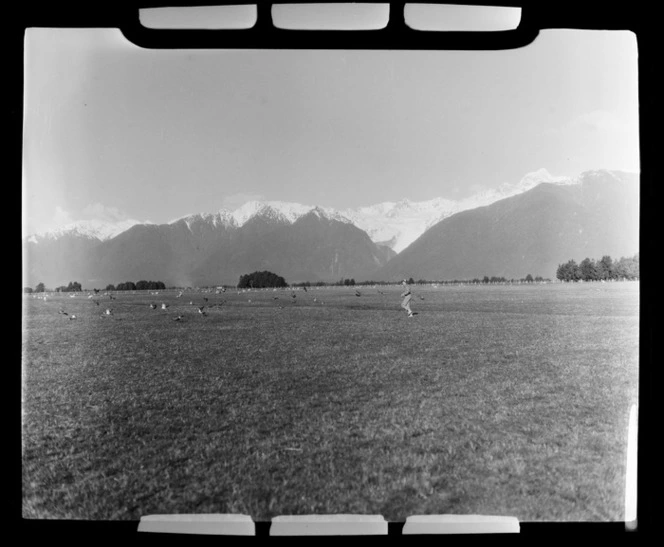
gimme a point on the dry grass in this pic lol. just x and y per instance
(493, 400)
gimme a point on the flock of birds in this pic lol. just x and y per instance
(201, 309)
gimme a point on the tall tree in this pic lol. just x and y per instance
(589, 270)
(605, 268)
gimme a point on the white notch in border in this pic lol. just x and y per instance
(210, 524)
(631, 471)
(336, 16)
(461, 18)
(199, 17)
(328, 525)
(460, 524)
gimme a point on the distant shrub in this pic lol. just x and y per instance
(260, 280)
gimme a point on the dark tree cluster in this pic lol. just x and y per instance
(140, 286)
(261, 280)
(74, 286)
(605, 269)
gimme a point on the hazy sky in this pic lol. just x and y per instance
(114, 131)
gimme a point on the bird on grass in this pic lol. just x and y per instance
(358, 293)
(153, 306)
(201, 310)
(164, 305)
(108, 311)
(191, 302)
(305, 289)
(178, 318)
(63, 312)
(72, 317)
(421, 297)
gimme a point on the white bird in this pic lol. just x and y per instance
(72, 317)
(153, 306)
(200, 310)
(164, 305)
(108, 311)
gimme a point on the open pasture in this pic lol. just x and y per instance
(508, 400)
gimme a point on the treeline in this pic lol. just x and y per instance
(140, 286)
(475, 281)
(605, 269)
(74, 286)
(261, 280)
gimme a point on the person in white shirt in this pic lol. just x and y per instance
(406, 295)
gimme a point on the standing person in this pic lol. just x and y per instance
(406, 295)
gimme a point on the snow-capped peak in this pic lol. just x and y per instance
(220, 218)
(327, 213)
(394, 223)
(91, 229)
(536, 177)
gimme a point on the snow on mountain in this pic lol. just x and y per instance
(398, 224)
(395, 224)
(278, 210)
(221, 218)
(90, 229)
(506, 190)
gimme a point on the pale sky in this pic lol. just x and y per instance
(113, 131)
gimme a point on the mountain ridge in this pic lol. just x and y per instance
(395, 224)
(532, 232)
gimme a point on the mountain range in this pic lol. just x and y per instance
(532, 232)
(528, 227)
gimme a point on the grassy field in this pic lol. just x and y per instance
(508, 400)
